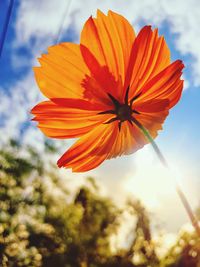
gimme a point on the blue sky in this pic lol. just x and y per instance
(31, 31)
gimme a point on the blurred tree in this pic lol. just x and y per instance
(38, 224)
(142, 248)
(185, 253)
(43, 224)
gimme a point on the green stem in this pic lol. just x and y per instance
(179, 191)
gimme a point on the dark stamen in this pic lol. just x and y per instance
(114, 100)
(135, 111)
(107, 112)
(123, 111)
(134, 98)
(119, 125)
(130, 121)
(111, 120)
(126, 96)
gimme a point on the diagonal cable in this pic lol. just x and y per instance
(60, 28)
(5, 26)
(179, 191)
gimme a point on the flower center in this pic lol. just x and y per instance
(123, 112)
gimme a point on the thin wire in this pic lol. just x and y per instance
(179, 191)
(5, 27)
(60, 28)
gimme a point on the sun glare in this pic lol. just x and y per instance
(151, 181)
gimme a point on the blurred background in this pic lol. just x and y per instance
(125, 212)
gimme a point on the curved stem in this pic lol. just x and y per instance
(179, 191)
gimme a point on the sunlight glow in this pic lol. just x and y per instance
(151, 181)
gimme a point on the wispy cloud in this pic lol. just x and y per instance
(16, 105)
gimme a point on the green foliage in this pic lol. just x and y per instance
(43, 224)
(185, 253)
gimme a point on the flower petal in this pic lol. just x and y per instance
(90, 150)
(79, 104)
(101, 81)
(112, 38)
(64, 122)
(152, 121)
(129, 139)
(165, 85)
(152, 105)
(62, 72)
(149, 56)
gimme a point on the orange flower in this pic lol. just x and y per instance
(104, 89)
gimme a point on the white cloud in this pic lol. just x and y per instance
(16, 106)
(38, 19)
